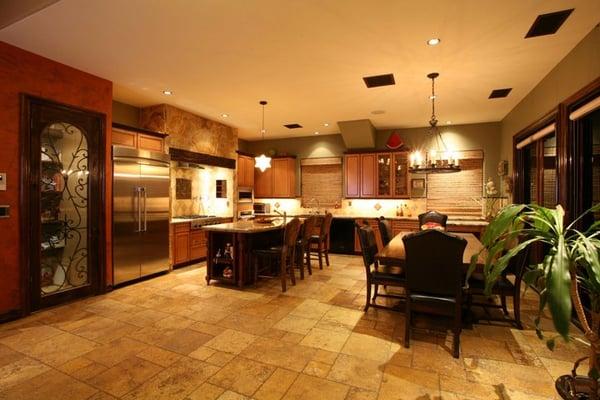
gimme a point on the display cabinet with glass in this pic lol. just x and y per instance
(384, 176)
(400, 174)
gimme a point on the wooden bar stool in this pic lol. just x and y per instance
(303, 244)
(319, 244)
(283, 255)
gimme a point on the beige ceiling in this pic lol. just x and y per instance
(308, 57)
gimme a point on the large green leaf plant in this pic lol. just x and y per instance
(567, 252)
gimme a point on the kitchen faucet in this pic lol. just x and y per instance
(284, 215)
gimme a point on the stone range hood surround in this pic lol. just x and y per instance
(190, 132)
(358, 134)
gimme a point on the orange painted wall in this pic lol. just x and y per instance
(25, 72)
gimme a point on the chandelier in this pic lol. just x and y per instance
(437, 159)
(262, 162)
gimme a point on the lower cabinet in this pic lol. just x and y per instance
(187, 244)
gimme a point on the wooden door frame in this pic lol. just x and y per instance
(26, 100)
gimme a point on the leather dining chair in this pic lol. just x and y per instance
(385, 229)
(434, 278)
(503, 287)
(319, 243)
(377, 274)
(433, 217)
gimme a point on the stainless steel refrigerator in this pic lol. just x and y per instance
(140, 213)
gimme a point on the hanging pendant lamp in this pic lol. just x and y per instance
(438, 159)
(262, 162)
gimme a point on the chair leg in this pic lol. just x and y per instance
(308, 266)
(456, 331)
(298, 259)
(503, 302)
(291, 267)
(368, 295)
(283, 274)
(375, 292)
(320, 252)
(407, 323)
(517, 310)
(327, 256)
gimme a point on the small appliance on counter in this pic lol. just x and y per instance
(245, 195)
(262, 208)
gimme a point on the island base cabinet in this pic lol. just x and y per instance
(187, 244)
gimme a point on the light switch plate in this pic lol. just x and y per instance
(2, 180)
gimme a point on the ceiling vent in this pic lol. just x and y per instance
(499, 93)
(548, 24)
(379, 80)
(293, 126)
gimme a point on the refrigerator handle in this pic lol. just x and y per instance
(139, 209)
(143, 189)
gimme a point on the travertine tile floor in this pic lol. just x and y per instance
(173, 337)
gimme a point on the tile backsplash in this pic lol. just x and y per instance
(203, 198)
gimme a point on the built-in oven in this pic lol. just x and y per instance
(245, 195)
(262, 208)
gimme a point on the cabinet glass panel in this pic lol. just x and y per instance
(530, 173)
(64, 208)
(384, 167)
(400, 174)
(549, 172)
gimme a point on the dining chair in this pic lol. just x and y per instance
(434, 278)
(303, 244)
(319, 243)
(385, 229)
(377, 274)
(503, 287)
(283, 255)
(433, 217)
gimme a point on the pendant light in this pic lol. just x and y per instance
(262, 162)
(438, 159)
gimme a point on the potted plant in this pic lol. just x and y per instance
(571, 260)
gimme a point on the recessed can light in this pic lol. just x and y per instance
(449, 122)
(431, 97)
(167, 92)
(316, 133)
(325, 124)
(433, 42)
(224, 115)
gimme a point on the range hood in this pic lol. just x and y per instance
(358, 134)
(189, 165)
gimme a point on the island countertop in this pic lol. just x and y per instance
(247, 226)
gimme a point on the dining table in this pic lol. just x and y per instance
(394, 254)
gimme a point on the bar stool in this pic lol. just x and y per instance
(284, 255)
(303, 244)
(319, 244)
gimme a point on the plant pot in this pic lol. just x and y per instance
(574, 387)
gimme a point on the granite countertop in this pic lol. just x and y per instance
(453, 220)
(176, 220)
(246, 226)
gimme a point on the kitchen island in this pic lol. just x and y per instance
(230, 247)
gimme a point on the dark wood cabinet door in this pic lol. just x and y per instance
(368, 175)
(279, 167)
(249, 171)
(352, 175)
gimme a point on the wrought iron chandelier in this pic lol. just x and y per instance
(438, 158)
(262, 162)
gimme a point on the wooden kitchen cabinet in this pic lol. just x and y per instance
(187, 244)
(245, 173)
(142, 139)
(352, 175)
(368, 175)
(376, 175)
(279, 181)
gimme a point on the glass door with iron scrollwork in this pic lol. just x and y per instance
(64, 177)
(65, 202)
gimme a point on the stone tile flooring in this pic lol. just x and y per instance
(173, 337)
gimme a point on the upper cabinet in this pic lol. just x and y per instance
(245, 172)
(376, 175)
(142, 139)
(279, 181)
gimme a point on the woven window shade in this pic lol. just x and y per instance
(457, 193)
(322, 184)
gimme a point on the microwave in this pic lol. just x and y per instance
(245, 195)
(262, 208)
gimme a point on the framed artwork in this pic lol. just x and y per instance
(418, 187)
